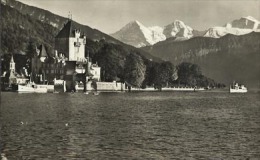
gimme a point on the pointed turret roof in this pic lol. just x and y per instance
(12, 59)
(43, 52)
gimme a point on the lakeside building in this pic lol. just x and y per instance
(68, 62)
(13, 76)
(69, 66)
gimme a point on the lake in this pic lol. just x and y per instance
(137, 125)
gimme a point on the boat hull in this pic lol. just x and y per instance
(237, 90)
(183, 89)
(30, 89)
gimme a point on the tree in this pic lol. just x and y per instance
(111, 60)
(164, 74)
(188, 74)
(134, 70)
(30, 51)
(150, 73)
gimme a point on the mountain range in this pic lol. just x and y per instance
(138, 35)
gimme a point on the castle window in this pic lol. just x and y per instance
(77, 44)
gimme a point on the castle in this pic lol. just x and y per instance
(68, 63)
(67, 67)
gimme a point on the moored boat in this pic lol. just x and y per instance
(236, 88)
(32, 88)
(183, 89)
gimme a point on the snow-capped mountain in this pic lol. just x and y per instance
(138, 35)
(245, 23)
(241, 26)
(177, 29)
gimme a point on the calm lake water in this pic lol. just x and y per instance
(141, 125)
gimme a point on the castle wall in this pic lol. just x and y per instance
(76, 49)
(52, 70)
(110, 86)
(106, 86)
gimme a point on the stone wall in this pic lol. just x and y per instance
(110, 86)
(103, 86)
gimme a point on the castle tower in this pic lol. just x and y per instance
(71, 42)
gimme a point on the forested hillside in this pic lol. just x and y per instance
(224, 59)
(18, 29)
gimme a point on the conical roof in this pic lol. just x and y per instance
(12, 59)
(43, 52)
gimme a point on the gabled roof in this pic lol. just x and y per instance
(67, 31)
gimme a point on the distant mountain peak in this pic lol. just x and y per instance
(136, 21)
(241, 26)
(132, 24)
(251, 18)
(138, 35)
(178, 29)
(176, 21)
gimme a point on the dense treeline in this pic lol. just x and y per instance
(119, 64)
(123, 65)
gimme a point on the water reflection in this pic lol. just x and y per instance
(130, 126)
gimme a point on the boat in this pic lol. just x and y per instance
(32, 88)
(236, 88)
(193, 89)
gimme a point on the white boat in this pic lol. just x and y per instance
(183, 89)
(32, 88)
(236, 88)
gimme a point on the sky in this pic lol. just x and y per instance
(109, 16)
